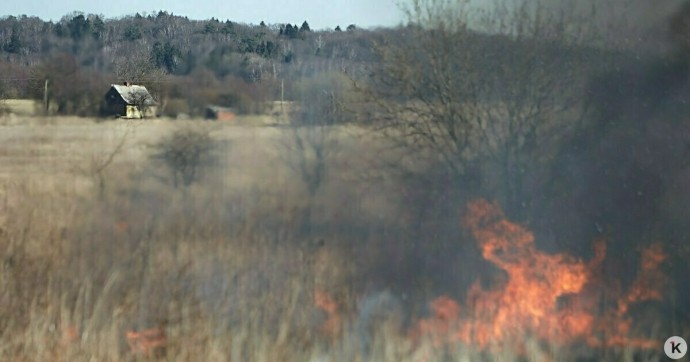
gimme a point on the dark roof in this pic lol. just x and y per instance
(217, 109)
(132, 93)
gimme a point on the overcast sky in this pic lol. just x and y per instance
(320, 14)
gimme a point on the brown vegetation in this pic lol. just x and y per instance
(327, 228)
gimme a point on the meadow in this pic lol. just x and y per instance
(218, 268)
(104, 259)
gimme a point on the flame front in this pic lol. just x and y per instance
(543, 296)
(326, 303)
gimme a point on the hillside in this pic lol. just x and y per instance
(191, 62)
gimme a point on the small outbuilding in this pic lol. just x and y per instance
(130, 101)
(220, 113)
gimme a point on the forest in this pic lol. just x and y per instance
(187, 63)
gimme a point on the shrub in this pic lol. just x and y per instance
(185, 153)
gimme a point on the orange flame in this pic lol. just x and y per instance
(323, 301)
(446, 312)
(121, 227)
(543, 296)
(649, 282)
(646, 287)
(147, 342)
(70, 335)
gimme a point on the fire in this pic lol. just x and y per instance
(326, 303)
(440, 327)
(148, 342)
(646, 287)
(544, 295)
(648, 284)
(121, 226)
(70, 336)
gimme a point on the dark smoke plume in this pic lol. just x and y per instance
(627, 169)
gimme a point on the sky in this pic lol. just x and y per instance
(318, 13)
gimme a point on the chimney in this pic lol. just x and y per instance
(126, 84)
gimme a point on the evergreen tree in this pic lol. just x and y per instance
(165, 56)
(289, 57)
(132, 33)
(229, 28)
(291, 31)
(271, 48)
(78, 27)
(60, 30)
(97, 28)
(210, 28)
(261, 48)
(305, 27)
(15, 43)
(248, 44)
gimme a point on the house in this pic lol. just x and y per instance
(130, 101)
(220, 113)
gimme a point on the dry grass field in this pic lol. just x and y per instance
(140, 269)
(103, 259)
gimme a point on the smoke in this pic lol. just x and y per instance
(637, 12)
(626, 166)
(638, 23)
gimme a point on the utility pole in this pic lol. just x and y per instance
(45, 96)
(282, 98)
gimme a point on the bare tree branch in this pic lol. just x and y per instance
(449, 94)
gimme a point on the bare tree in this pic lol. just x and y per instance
(472, 89)
(534, 90)
(185, 153)
(144, 103)
(97, 165)
(310, 139)
(138, 68)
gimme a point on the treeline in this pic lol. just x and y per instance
(189, 64)
(186, 63)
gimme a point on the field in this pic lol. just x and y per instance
(219, 267)
(103, 258)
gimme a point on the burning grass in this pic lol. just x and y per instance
(545, 297)
(148, 272)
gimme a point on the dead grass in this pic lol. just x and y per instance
(20, 107)
(215, 272)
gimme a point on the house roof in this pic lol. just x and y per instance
(219, 109)
(134, 93)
